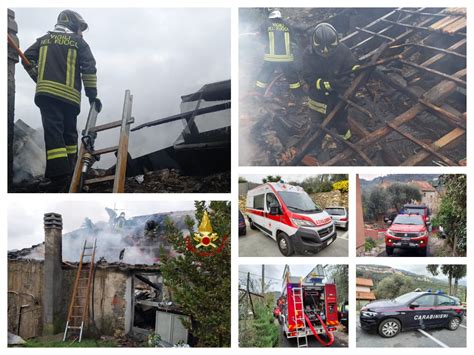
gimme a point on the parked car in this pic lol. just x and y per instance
(288, 215)
(242, 225)
(421, 210)
(413, 310)
(407, 231)
(340, 216)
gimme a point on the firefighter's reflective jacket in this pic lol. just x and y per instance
(317, 67)
(278, 48)
(63, 59)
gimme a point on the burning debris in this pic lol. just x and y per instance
(134, 241)
(406, 103)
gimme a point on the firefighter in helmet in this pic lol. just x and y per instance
(59, 61)
(278, 54)
(323, 61)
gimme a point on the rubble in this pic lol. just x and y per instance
(407, 108)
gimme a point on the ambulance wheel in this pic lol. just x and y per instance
(252, 225)
(390, 327)
(389, 250)
(454, 323)
(284, 244)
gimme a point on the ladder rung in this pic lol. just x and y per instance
(73, 327)
(99, 179)
(109, 125)
(105, 150)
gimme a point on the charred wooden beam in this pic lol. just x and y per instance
(148, 282)
(413, 12)
(422, 144)
(434, 72)
(374, 33)
(185, 115)
(422, 28)
(449, 117)
(445, 51)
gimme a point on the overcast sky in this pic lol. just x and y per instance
(23, 235)
(159, 54)
(370, 177)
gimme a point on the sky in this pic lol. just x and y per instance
(23, 235)
(370, 177)
(158, 54)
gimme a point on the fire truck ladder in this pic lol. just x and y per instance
(88, 155)
(79, 307)
(300, 321)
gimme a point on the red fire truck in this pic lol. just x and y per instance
(308, 307)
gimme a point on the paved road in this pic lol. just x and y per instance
(409, 252)
(340, 341)
(255, 243)
(415, 338)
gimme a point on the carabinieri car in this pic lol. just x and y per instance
(413, 310)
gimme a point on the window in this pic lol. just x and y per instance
(446, 301)
(258, 202)
(426, 300)
(271, 200)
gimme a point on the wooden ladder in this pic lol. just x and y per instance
(79, 307)
(87, 156)
(300, 321)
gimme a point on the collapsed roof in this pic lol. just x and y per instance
(406, 107)
(133, 242)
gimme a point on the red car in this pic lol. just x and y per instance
(407, 231)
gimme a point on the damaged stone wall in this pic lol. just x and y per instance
(111, 298)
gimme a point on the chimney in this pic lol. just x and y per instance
(53, 277)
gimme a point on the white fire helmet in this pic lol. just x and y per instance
(275, 14)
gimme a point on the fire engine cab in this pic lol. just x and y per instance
(308, 307)
(288, 215)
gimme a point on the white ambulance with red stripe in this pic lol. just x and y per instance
(287, 214)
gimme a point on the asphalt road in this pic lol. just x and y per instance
(408, 252)
(430, 338)
(255, 243)
(340, 341)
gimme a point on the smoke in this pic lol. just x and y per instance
(135, 241)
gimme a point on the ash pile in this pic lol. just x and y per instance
(406, 104)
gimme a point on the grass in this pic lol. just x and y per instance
(86, 343)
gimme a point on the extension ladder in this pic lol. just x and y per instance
(300, 321)
(79, 307)
(87, 155)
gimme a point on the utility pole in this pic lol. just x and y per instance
(263, 279)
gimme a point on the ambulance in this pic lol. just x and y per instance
(288, 215)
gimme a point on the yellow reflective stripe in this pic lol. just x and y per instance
(327, 85)
(71, 67)
(278, 58)
(68, 67)
(317, 106)
(261, 85)
(67, 90)
(295, 85)
(355, 67)
(42, 61)
(48, 88)
(56, 153)
(318, 84)
(71, 149)
(89, 80)
(271, 41)
(287, 43)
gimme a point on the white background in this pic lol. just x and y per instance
(5, 198)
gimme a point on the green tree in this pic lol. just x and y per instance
(271, 178)
(200, 284)
(452, 212)
(374, 204)
(393, 286)
(242, 179)
(453, 272)
(340, 274)
(400, 194)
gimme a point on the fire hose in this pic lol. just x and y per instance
(328, 333)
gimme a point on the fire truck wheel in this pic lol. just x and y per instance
(389, 250)
(284, 244)
(252, 225)
(390, 327)
(454, 323)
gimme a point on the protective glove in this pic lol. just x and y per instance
(98, 103)
(32, 70)
(323, 84)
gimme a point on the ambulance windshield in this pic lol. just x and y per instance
(299, 202)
